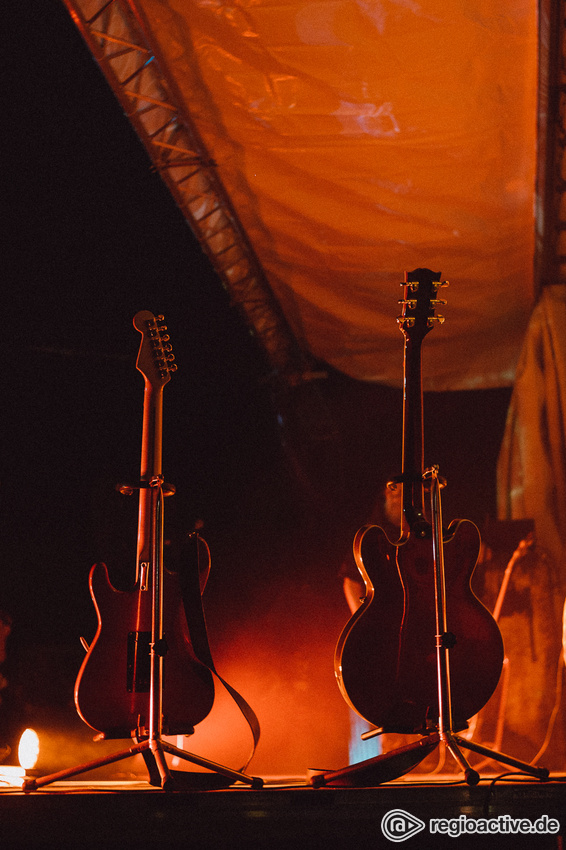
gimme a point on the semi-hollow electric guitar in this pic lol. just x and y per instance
(386, 658)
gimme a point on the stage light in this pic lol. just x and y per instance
(28, 753)
(28, 749)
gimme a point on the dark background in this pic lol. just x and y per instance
(91, 236)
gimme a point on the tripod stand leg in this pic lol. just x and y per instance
(471, 775)
(235, 775)
(155, 777)
(539, 772)
(161, 769)
(32, 783)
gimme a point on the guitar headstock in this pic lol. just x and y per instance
(419, 303)
(155, 356)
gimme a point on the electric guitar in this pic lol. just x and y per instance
(112, 690)
(386, 659)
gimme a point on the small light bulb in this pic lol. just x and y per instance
(28, 749)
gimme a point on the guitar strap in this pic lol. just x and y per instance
(189, 581)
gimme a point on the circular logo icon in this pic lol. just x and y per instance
(398, 825)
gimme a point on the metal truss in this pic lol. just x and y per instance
(550, 259)
(119, 39)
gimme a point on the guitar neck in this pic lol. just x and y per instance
(419, 301)
(413, 436)
(150, 468)
(155, 362)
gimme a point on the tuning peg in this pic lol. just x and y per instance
(432, 319)
(413, 285)
(435, 302)
(438, 283)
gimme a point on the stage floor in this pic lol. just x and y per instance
(423, 812)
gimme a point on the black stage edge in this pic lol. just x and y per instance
(134, 815)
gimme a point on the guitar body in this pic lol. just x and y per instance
(386, 660)
(112, 692)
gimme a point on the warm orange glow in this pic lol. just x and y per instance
(12, 775)
(28, 749)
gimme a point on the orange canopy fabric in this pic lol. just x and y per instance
(358, 140)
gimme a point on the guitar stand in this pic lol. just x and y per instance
(400, 761)
(152, 746)
(153, 751)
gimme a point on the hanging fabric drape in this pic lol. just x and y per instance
(532, 485)
(532, 462)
